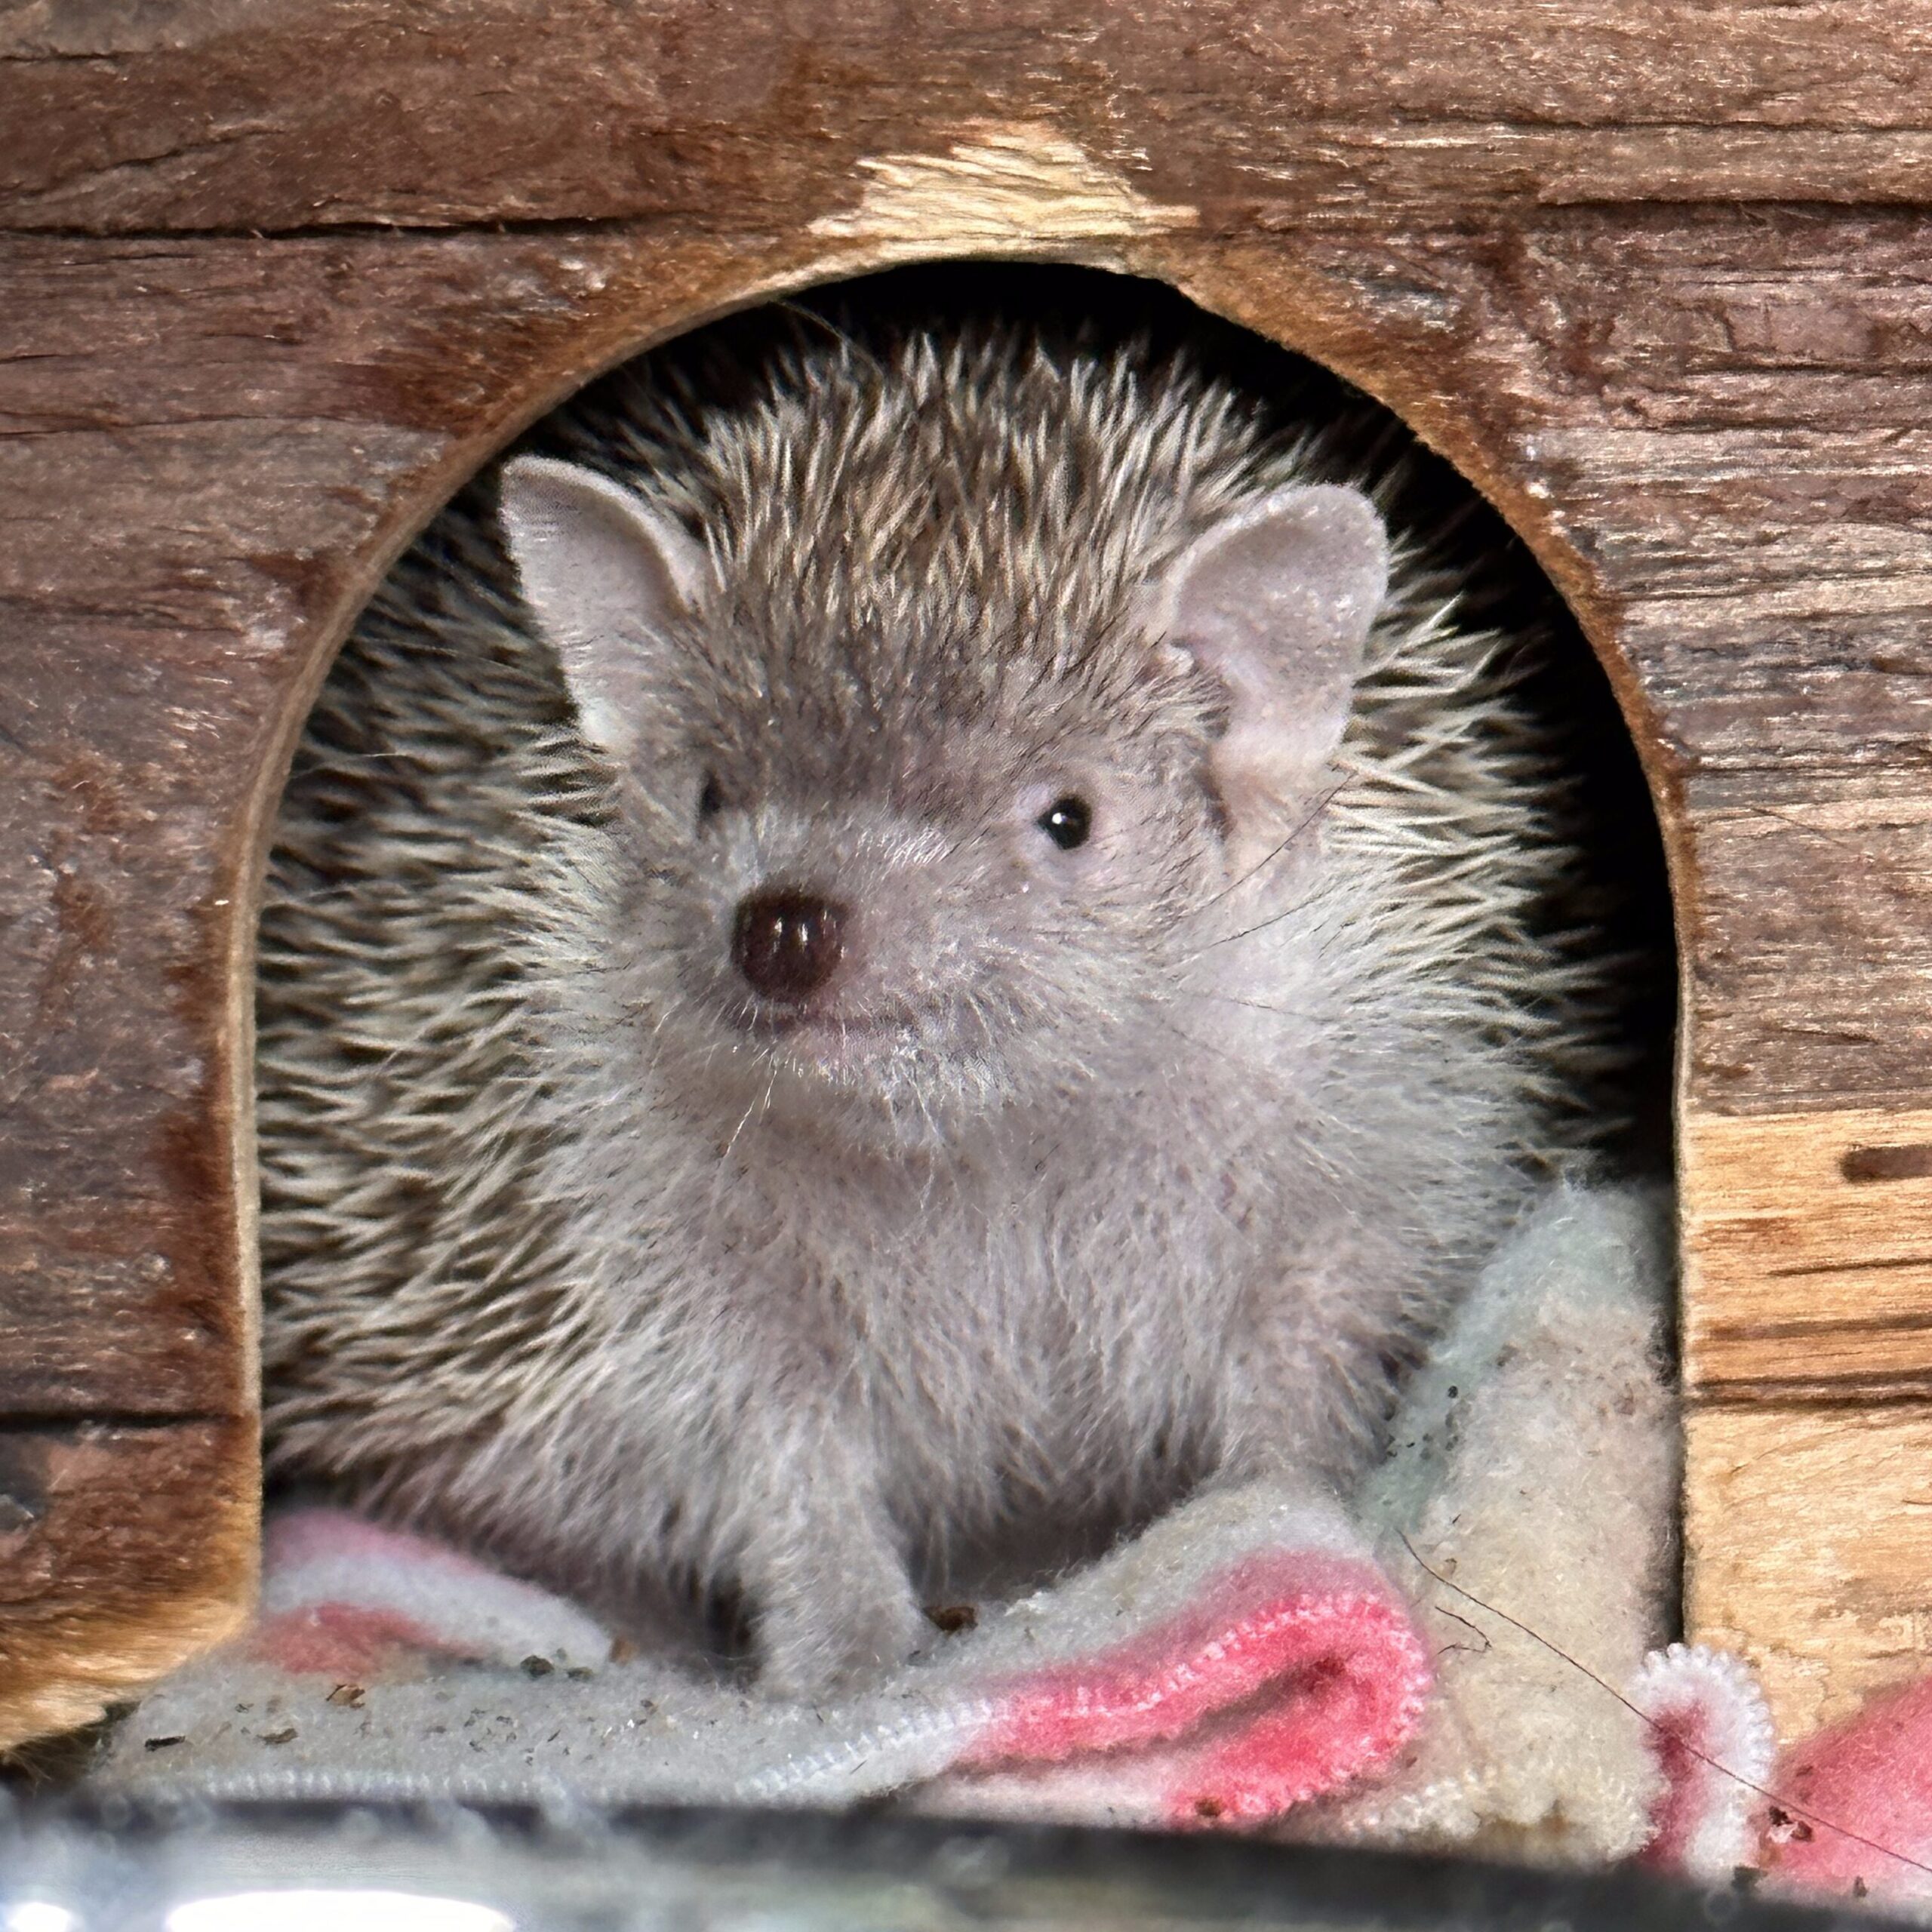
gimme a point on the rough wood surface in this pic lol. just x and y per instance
(1808, 1367)
(1808, 1247)
(122, 1550)
(1824, 1585)
(1589, 255)
(235, 115)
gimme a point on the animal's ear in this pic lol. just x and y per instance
(1277, 601)
(605, 578)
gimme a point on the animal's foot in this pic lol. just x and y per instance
(813, 1647)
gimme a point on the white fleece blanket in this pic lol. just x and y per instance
(1258, 1656)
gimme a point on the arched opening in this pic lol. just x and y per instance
(391, 1204)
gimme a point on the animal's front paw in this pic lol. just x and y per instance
(814, 1646)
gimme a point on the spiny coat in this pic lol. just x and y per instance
(1100, 1182)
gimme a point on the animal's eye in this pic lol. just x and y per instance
(1068, 822)
(710, 800)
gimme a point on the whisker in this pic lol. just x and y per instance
(1301, 825)
(1254, 1005)
(1300, 905)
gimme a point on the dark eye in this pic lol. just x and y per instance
(1067, 822)
(710, 800)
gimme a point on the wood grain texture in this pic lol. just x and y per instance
(437, 112)
(1807, 1373)
(1808, 1541)
(1590, 258)
(1808, 1258)
(121, 1550)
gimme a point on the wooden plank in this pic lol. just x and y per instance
(145, 683)
(1806, 1334)
(122, 1551)
(264, 422)
(1808, 1548)
(1812, 988)
(220, 115)
(1808, 1257)
(1707, 423)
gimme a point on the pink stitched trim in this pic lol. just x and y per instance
(1343, 1716)
(1682, 1740)
(1352, 1676)
(1711, 1736)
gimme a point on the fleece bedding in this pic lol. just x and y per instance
(1263, 1649)
(1472, 1652)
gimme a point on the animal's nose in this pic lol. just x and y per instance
(788, 944)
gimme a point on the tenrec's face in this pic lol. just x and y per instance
(917, 941)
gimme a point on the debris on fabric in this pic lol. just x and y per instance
(1455, 1657)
